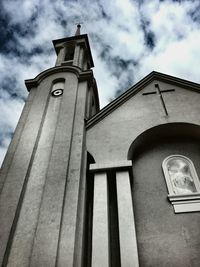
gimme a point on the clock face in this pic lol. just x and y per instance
(57, 92)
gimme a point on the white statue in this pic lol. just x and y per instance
(181, 177)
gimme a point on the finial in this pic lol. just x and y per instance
(78, 30)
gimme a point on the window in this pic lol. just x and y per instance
(69, 53)
(182, 182)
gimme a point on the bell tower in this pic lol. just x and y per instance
(74, 51)
(42, 182)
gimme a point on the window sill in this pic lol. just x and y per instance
(185, 203)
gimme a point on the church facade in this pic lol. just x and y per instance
(115, 187)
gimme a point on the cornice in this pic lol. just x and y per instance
(81, 75)
(135, 89)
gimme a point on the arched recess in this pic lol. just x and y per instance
(160, 232)
(157, 133)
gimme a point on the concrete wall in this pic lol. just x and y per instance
(118, 130)
(164, 238)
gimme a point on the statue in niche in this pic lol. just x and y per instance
(181, 177)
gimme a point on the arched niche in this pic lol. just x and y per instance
(178, 131)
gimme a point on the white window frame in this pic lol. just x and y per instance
(182, 202)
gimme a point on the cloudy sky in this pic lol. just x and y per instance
(128, 38)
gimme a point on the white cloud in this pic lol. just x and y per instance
(3, 151)
(117, 26)
(20, 11)
(11, 108)
(106, 83)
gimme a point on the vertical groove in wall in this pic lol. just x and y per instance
(14, 224)
(89, 194)
(80, 209)
(114, 245)
(46, 173)
(67, 171)
(71, 211)
(78, 246)
(50, 211)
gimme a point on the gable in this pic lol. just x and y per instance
(155, 77)
(111, 136)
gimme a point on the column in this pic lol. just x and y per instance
(81, 57)
(76, 55)
(127, 236)
(61, 56)
(100, 250)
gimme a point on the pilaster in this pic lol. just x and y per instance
(101, 241)
(61, 55)
(100, 235)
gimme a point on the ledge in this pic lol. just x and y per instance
(185, 203)
(119, 165)
(79, 73)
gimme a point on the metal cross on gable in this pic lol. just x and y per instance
(159, 93)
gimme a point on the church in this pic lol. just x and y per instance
(119, 186)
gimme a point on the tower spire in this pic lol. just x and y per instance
(78, 30)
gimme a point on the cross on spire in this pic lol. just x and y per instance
(159, 93)
(78, 29)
